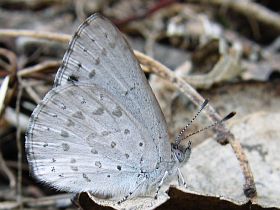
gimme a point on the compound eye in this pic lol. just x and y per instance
(179, 155)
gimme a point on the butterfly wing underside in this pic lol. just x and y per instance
(82, 139)
(101, 123)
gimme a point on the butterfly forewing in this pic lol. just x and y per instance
(98, 54)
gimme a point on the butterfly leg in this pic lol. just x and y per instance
(161, 183)
(130, 193)
(181, 178)
(125, 198)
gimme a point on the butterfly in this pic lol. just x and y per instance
(100, 128)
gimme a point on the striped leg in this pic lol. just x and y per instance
(161, 183)
(181, 178)
(131, 193)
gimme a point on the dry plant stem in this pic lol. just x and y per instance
(79, 9)
(35, 69)
(10, 68)
(46, 201)
(249, 186)
(164, 72)
(35, 34)
(33, 4)
(35, 203)
(7, 172)
(31, 92)
(3, 93)
(19, 148)
(39, 68)
(13, 165)
(12, 58)
(8, 205)
(249, 9)
(10, 116)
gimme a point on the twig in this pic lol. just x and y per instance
(6, 91)
(13, 165)
(39, 202)
(249, 188)
(64, 38)
(35, 69)
(7, 172)
(249, 9)
(6, 205)
(10, 116)
(39, 67)
(3, 92)
(32, 4)
(12, 58)
(19, 148)
(31, 92)
(47, 200)
(79, 9)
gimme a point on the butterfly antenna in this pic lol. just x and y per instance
(177, 140)
(230, 115)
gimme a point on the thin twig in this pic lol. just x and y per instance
(32, 4)
(13, 165)
(79, 9)
(39, 68)
(6, 205)
(10, 116)
(64, 38)
(12, 59)
(7, 172)
(31, 92)
(19, 148)
(47, 200)
(35, 69)
(3, 92)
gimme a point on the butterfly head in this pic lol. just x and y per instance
(181, 153)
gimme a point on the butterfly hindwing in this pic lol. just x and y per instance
(82, 137)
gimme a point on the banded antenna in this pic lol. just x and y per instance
(177, 140)
(227, 117)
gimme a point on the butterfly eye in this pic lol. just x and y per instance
(180, 155)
